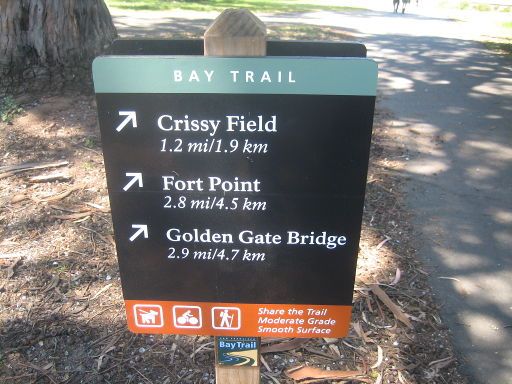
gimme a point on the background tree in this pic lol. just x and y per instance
(51, 39)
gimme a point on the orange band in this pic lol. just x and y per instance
(228, 319)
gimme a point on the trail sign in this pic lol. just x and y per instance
(236, 188)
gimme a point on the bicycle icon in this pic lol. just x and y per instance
(187, 316)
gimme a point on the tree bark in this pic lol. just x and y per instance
(49, 36)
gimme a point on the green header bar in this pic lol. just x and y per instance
(262, 75)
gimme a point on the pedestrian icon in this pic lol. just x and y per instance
(148, 316)
(187, 316)
(226, 318)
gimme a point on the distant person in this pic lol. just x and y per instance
(404, 4)
(396, 4)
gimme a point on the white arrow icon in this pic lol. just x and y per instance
(136, 177)
(130, 116)
(140, 228)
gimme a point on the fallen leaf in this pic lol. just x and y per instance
(284, 346)
(58, 196)
(201, 347)
(265, 364)
(8, 242)
(448, 278)
(73, 216)
(304, 373)
(98, 207)
(101, 362)
(100, 292)
(10, 170)
(401, 378)
(359, 330)
(380, 358)
(18, 198)
(12, 267)
(398, 275)
(270, 340)
(381, 244)
(441, 363)
(52, 284)
(56, 176)
(397, 311)
(332, 346)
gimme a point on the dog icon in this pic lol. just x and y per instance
(148, 316)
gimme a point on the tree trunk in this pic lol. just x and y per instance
(48, 37)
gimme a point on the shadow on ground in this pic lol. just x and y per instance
(455, 106)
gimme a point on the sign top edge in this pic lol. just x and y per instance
(246, 75)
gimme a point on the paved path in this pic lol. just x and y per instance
(452, 101)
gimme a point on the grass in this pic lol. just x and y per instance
(505, 48)
(507, 24)
(466, 5)
(9, 109)
(218, 5)
(308, 33)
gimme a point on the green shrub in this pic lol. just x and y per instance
(9, 109)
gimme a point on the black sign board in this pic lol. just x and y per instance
(236, 189)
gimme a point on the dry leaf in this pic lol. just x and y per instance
(448, 278)
(380, 358)
(332, 346)
(100, 362)
(397, 311)
(284, 346)
(401, 378)
(98, 207)
(441, 363)
(397, 278)
(270, 340)
(304, 373)
(10, 170)
(201, 347)
(172, 352)
(12, 267)
(58, 196)
(10, 272)
(359, 330)
(265, 364)
(381, 244)
(18, 198)
(52, 284)
(73, 216)
(100, 292)
(111, 240)
(58, 176)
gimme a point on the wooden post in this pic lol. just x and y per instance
(236, 32)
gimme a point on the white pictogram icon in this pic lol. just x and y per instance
(136, 178)
(131, 117)
(226, 318)
(141, 229)
(148, 316)
(187, 316)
